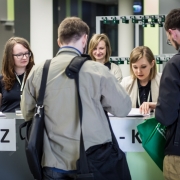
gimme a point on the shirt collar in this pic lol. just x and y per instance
(71, 48)
(108, 64)
(147, 85)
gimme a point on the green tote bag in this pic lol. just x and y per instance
(153, 138)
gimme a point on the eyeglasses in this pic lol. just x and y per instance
(21, 55)
(169, 42)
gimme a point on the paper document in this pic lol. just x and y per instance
(135, 112)
(109, 114)
(18, 112)
(2, 114)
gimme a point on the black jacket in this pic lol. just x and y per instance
(168, 105)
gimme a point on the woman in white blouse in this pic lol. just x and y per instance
(100, 51)
(143, 84)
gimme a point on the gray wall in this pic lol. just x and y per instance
(22, 18)
(5, 31)
(3, 9)
(165, 6)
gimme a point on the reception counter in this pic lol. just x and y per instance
(141, 166)
(14, 165)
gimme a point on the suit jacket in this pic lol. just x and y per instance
(131, 87)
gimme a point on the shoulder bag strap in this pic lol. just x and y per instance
(83, 158)
(114, 140)
(73, 72)
(177, 133)
(41, 94)
(43, 83)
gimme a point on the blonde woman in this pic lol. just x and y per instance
(143, 84)
(100, 51)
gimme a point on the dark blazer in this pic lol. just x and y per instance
(168, 105)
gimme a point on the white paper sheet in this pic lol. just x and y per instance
(135, 112)
(2, 114)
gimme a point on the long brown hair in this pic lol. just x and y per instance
(8, 74)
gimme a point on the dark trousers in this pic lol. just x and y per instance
(49, 174)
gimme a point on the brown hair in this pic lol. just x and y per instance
(140, 52)
(172, 20)
(8, 74)
(96, 38)
(72, 29)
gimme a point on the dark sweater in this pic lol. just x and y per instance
(168, 105)
(10, 99)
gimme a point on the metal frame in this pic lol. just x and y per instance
(160, 59)
(138, 20)
(6, 22)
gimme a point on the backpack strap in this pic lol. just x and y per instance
(72, 71)
(75, 65)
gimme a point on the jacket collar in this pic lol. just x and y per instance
(69, 49)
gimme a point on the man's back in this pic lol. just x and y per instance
(99, 91)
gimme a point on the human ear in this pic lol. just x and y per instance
(152, 63)
(84, 40)
(173, 33)
(59, 43)
(84, 43)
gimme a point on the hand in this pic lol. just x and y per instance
(146, 107)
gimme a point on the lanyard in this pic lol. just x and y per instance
(23, 81)
(139, 98)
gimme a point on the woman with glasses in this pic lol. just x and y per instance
(143, 84)
(100, 51)
(17, 62)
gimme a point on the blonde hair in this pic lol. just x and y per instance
(140, 52)
(96, 38)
